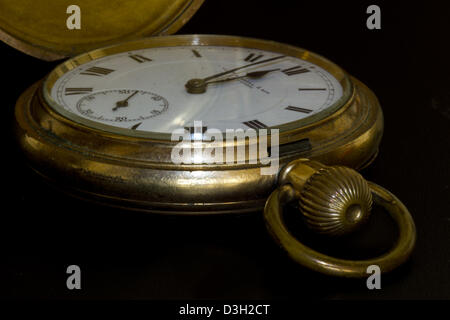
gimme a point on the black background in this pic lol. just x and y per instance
(126, 255)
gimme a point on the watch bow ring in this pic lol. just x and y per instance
(334, 201)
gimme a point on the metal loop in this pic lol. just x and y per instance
(341, 267)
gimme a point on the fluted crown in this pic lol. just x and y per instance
(335, 200)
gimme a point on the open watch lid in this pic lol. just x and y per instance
(52, 30)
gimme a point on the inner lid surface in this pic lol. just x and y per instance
(40, 28)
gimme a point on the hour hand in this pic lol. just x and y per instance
(199, 85)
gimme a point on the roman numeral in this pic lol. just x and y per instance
(97, 71)
(197, 136)
(139, 58)
(196, 53)
(192, 129)
(255, 124)
(312, 89)
(252, 57)
(294, 70)
(72, 91)
(134, 127)
(298, 109)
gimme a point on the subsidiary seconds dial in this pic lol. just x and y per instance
(122, 105)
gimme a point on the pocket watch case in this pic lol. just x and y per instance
(134, 170)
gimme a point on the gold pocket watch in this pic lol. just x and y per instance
(102, 126)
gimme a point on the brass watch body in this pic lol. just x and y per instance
(135, 171)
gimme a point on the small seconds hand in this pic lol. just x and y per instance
(124, 103)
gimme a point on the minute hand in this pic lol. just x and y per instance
(242, 67)
(253, 75)
(199, 85)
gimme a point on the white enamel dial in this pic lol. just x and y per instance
(145, 89)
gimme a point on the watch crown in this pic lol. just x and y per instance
(335, 200)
